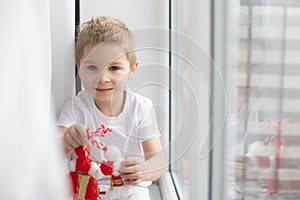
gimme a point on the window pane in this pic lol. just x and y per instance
(262, 136)
(190, 98)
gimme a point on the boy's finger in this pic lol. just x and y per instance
(75, 138)
(81, 134)
(70, 141)
(131, 161)
(132, 181)
(130, 169)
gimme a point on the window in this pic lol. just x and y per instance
(263, 97)
(190, 98)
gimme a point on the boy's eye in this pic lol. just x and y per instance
(114, 68)
(91, 67)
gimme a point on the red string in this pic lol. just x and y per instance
(102, 131)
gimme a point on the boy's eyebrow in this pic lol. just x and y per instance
(116, 63)
(88, 62)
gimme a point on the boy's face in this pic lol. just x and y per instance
(104, 70)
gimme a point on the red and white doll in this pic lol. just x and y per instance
(84, 174)
(117, 191)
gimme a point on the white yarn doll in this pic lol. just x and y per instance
(117, 191)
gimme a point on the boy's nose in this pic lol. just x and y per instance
(104, 78)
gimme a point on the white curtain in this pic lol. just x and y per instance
(31, 156)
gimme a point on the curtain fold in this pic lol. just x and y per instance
(31, 155)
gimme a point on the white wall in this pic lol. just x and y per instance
(62, 18)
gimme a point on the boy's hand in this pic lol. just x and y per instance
(132, 170)
(74, 137)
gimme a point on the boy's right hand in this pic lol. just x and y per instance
(73, 137)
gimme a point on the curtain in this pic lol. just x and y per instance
(31, 155)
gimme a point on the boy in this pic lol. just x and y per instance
(105, 59)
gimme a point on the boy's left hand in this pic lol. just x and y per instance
(132, 170)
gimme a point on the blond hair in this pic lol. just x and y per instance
(105, 29)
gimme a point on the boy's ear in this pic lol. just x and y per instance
(135, 66)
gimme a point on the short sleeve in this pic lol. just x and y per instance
(148, 127)
(69, 114)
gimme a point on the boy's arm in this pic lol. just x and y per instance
(155, 164)
(134, 169)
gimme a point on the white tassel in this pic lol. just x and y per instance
(95, 171)
(117, 191)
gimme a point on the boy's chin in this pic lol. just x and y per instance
(103, 98)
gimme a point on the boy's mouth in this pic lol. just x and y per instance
(103, 89)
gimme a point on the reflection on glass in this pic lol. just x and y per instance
(190, 100)
(263, 137)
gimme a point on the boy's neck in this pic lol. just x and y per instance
(112, 109)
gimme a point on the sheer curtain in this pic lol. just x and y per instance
(31, 155)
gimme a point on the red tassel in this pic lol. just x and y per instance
(92, 189)
(107, 167)
(74, 178)
(116, 181)
(83, 163)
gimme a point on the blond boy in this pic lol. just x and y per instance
(106, 60)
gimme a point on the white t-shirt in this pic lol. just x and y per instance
(135, 124)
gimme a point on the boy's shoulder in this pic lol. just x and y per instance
(82, 95)
(138, 99)
(81, 98)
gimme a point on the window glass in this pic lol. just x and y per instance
(262, 136)
(190, 98)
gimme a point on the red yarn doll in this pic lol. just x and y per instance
(84, 171)
(85, 174)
